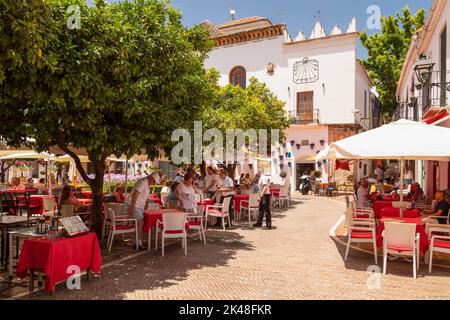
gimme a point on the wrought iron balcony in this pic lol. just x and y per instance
(305, 117)
(434, 92)
(407, 110)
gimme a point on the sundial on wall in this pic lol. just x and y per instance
(306, 71)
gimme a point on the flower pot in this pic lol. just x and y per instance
(322, 142)
(312, 145)
(298, 145)
(292, 142)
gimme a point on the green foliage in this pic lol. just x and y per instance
(124, 81)
(255, 107)
(387, 52)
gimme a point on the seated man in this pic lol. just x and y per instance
(441, 210)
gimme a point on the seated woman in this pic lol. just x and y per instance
(67, 197)
(41, 186)
(30, 183)
(416, 194)
(441, 209)
(119, 194)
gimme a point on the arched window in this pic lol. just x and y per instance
(238, 77)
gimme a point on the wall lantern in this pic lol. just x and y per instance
(423, 69)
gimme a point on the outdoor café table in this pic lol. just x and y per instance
(388, 212)
(203, 204)
(419, 229)
(55, 256)
(151, 218)
(238, 198)
(380, 204)
(6, 223)
(154, 197)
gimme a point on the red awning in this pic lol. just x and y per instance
(343, 165)
(432, 118)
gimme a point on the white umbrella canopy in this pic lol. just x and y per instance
(325, 154)
(67, 158)
(403, 139)
(28, 155)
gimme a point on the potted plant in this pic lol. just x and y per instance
(292, 142)
(316, 174)
(281, 166)
(312, 145)
(322, 142)
(298, 145)
(283, 174)
(281, 158)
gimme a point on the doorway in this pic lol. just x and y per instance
(302, 169)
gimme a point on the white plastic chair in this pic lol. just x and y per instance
(250, 205)
(49, 207)
(365, 212)
(438, 243)
(117, 229)
(195, 222)
(360, 230)
(284, 196)
(219, 211)
(173, 225)
(118, 209)
(401, 239)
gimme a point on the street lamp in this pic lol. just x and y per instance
(423, 70)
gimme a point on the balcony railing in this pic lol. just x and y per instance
(408, 111)
(435, 92)
(305, 117)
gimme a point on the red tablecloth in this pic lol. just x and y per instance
(38, 202)
(237, 201)
(380, 204)
(389, 212)
(55, 256)
(85, 202)
(204, 203)
(419, 229)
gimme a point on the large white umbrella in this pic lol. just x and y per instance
(403, 139)
(27, 155)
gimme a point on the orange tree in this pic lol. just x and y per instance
(121, 80)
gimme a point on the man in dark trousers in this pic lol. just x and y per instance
(264, 201)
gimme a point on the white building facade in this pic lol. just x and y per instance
(326, 89)
(424, 88)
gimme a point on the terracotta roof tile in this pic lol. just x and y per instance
(237, 22)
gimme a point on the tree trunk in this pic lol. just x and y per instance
(231, 170)
(4, 170)
(97, 198)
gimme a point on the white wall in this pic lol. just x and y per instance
(334, 92)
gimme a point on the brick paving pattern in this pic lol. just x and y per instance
(297, 259)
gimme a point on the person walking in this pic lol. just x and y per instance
(264, 201)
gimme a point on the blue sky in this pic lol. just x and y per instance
(297, 14)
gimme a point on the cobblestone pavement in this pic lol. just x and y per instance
(297, 259)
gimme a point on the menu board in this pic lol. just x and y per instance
(74, 225)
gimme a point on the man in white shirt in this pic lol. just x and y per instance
(211, 182)
(264, 201)
(226, 189)
(137, 200)
(379, 173)
(362, 195)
